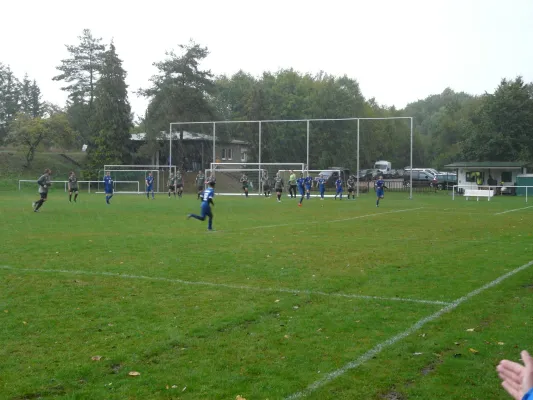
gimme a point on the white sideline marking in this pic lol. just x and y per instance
(327, 222)
(516, 209)
(377, 349)
(225, 285)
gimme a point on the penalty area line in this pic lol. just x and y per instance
(328, 222)
(225, 285)
(514, 209)
(393, 340)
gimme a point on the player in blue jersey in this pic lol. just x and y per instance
(300, 182)
(321, 181)
(308, 182)
(207, 202)
(380, 185)
(150, 186)
(108, 187)
(338, 186)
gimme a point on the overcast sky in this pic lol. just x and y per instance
(398, 51)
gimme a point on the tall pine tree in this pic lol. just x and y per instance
(81, 72)
(112, 119)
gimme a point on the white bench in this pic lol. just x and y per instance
(479, 193)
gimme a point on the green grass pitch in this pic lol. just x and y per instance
(327, 301)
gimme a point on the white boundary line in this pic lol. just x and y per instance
(516, 209)
(377, 349)
(224, 285)
(326, 222)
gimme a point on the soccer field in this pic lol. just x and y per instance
(417, 299)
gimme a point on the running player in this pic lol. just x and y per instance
(171, 185)
(44, 183)
(200, 183)
(308, 184)
(207, 202)
(351, 187)
(108, 187)
(150, 186)
(380, 193)
(179, 183)
(292, 184)
(321, 186)
(278, 186)
(244, 182)
(72, 186)
(338, 186)
(301, 182)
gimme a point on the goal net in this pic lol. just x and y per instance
(139, 173)
(228, 176)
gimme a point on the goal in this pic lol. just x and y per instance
(228, 175)
(139, 173)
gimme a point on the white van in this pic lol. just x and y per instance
(384, 167)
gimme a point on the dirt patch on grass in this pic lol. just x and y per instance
(393, 395)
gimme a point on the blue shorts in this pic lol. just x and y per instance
(205, 211)
(149, 188)
(339, 190)
(322, 189)
(301, 190)
(380, 193)
(307, 187)
(109, 191)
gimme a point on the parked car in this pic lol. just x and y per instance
(420, 178)
(446, 181)
(332, 176)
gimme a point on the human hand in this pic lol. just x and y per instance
(517, 379)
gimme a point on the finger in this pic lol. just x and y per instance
(526, 358)
(511, 383)
(514, 392)
(511, 366)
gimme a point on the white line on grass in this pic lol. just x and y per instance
(225, 285)
(377, 349)
(515, 209)
(327, 222)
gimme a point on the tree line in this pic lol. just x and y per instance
(449, 126)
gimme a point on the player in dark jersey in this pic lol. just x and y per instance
(171, 185)
(207, 202)
(351, 187)
(179, 183)
(278, 186)
(200, 183)
(244, 182)
(150, 186)
(108, 187)
(44, 183)
(380, 193)
(266, 184)
(72, 186)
